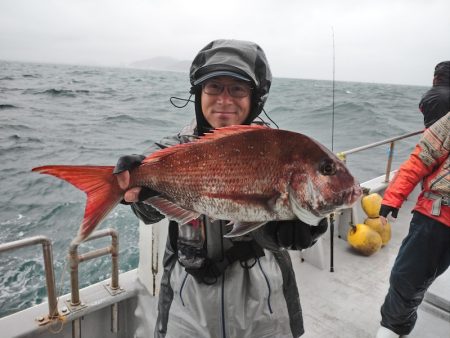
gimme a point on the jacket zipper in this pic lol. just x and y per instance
(223, 306)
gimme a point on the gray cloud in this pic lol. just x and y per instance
(375, 41)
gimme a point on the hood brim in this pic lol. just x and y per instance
(221, 73)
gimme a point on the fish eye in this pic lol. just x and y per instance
(327, 167)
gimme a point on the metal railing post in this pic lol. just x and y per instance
(389, 162)
(50, 278)
(114, 260)
(76, 259)
(48, 265)
(74, 285)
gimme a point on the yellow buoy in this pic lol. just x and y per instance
(363, 239)
(371, 204)
(384, 231)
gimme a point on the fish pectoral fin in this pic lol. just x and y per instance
(172, 210)
(240, 229)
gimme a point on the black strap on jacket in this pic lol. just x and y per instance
(240, 251)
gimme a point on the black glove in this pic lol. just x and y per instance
(297, 235)
(385, 210)
(129, 162)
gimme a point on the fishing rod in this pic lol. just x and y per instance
(332, 148)
(332, 114)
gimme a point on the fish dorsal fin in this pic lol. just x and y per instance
(171, 210)
(230, 130)
(208, 137)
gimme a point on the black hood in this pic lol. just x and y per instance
(435, 103)
(442, 74)
(241, 57)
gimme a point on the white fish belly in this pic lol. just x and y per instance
(243, 211)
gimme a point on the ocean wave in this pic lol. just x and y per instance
(107, 91)
(121, 118)
(124, 120)
(23, 285)
(16, 150)
(59, 92)
(9, 78)
(14, 127)
(84, 72)
(21, 139)
(56, 210)
(128, 99)
(15, 221)
(7, 106)
(64, 92)
(5, 90)
(32, 76)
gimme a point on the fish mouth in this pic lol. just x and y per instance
(343, 199)
(351, 195)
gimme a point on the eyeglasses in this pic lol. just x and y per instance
(236, 90)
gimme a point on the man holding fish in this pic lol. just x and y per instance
(215, 286)
(237, 196)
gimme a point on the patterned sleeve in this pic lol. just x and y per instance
(428, 154)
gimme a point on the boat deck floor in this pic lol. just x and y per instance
(346, 302)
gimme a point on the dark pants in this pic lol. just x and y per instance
(423, 256)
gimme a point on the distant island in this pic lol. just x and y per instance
(163, 63)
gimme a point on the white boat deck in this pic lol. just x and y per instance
(346, 303)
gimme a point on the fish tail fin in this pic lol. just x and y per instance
(100, 185)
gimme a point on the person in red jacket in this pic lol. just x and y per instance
(425, 251)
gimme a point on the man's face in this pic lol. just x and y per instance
(225, 101)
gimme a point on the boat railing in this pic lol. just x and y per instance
(49, 271)
(75, 259)
(343, 155)
(113, 288)
(349, 216)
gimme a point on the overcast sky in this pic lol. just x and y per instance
(385, 41)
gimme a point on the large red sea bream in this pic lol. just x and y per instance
(248, 175)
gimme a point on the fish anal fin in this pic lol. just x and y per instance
(171, 210)
(240, 229)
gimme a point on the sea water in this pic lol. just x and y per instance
(64, 114)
